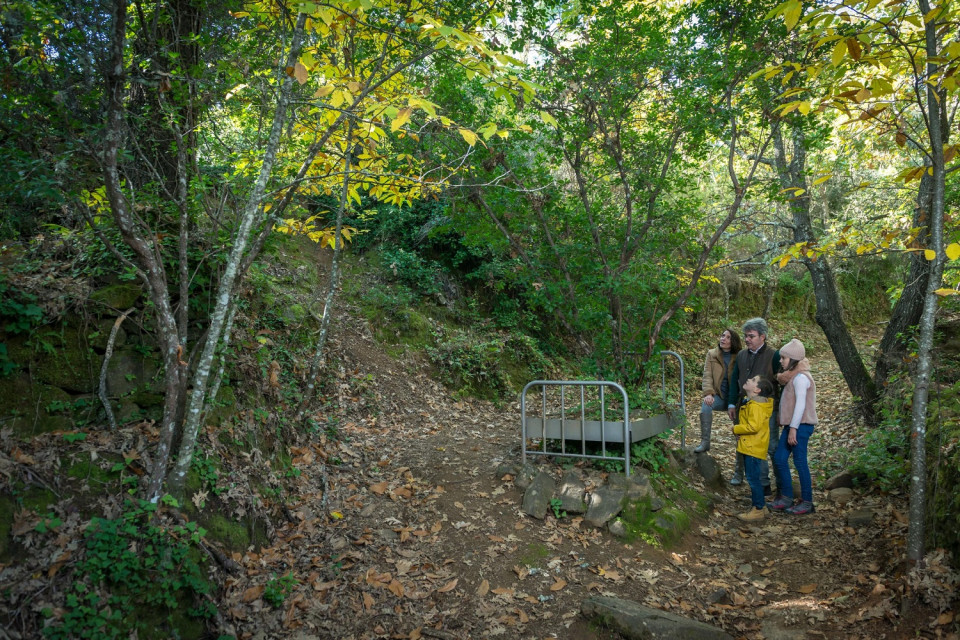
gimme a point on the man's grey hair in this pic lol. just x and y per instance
(756, 324)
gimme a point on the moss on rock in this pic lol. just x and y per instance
(24, 407)
(116, 298)
(661, 527)
(68, 362)
(38, 499)
(232, 535)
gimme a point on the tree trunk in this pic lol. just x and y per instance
(320, 354)
(224, 297)
(921, 390)
(150, 267)
(829, 313)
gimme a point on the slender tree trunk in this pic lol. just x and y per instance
(148, 259)
(224, 297)
(321, 348)
(921, 391)
(909, 307)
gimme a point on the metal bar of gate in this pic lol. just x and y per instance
(663, 386)
(583, 384)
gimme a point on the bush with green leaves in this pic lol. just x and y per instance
(884, 455)
(412, 270)
(491, 366)
(470, 363)
(133, 575)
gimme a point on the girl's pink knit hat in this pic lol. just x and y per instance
(794, 349)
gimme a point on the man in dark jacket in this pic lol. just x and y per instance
(757, 358)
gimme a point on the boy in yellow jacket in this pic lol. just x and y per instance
(753, 437)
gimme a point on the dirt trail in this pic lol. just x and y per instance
(401, 528)
(418, 538)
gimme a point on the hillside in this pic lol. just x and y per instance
(392, 517)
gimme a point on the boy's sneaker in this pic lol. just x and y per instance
(801, 508)
(736, 480)
(780, 504)
(753, 515)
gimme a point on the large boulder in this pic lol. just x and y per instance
(637, 622)
(130, 370)
(116, 298)
(31, 408)
(64, 359)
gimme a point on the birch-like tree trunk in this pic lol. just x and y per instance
(225, 288)
(321, 347)
(916, 532)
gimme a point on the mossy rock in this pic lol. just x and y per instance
(116, 298)
(70, 364)
(293, 313)
(130, 371)
(38, 499)
(92, 473)
(18, 347)
(24, 406)
(226, 406)
(233, 535)
(99, 335)
(661, 527)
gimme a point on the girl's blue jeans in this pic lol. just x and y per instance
(799, 453)
(751, 469)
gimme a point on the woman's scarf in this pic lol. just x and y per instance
(784, 377)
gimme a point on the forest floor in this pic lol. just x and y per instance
(399, 527)
(416, 536)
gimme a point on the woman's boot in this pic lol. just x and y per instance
(705, 424)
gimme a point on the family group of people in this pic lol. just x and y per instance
(763, 390)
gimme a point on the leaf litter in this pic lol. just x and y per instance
(399, 528)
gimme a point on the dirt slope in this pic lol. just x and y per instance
(398, 527)
(417, 537)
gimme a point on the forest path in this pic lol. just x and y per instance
(418, 537)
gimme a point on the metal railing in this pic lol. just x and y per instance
(604, 431)
(566, 429)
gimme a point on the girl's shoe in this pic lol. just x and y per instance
(801, 508)
(780, 504)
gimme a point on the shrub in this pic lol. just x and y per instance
(131, 565)
(412, 270)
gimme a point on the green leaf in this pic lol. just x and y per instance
(838, 52)
(791, 13)
(548, 119)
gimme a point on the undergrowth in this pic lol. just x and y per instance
(134, 574)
